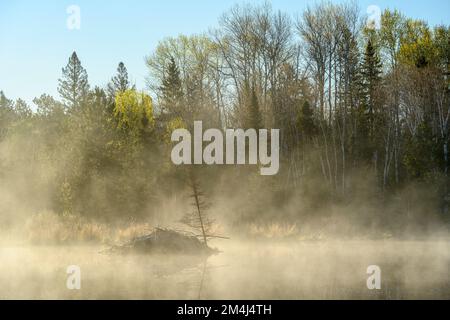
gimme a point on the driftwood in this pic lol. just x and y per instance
(165, 241)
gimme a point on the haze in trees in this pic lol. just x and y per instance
(363, 118)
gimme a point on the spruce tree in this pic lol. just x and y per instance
(370, 79)
(371, 74)
(73, 86)
(171, 89)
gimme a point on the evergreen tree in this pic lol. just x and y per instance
(74, 86)
(371, 74)
(306, 123)
(370, 79)
(5, 103)
(172, 92)
(47, 106)
(21, 109)
(255, 120)
(120, 82)
(6, 114)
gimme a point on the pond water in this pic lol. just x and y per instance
(243, 270)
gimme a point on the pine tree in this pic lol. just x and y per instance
(5, 103)
(21, 109)
(74, 86)
(172, 92)
(120, 82)
(6, 114)
(47, 106)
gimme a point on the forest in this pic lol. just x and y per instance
(363, 114)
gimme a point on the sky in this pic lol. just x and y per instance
(36, 42)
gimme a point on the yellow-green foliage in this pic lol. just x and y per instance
(194, 52)
(176, 123)
(417, 44)
(134, 110)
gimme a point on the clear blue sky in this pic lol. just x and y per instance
(35, 42)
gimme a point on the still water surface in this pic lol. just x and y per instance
(243, 270)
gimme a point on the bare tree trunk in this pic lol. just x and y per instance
(199, 205)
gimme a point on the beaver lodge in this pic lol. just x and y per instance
(166, 241)
(178, 242)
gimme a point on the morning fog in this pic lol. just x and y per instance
(230, 150)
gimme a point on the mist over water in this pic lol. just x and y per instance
(360, 122)
(244, 270)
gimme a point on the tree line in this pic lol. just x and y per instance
(357, 108)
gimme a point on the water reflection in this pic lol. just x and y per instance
(243, 270)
